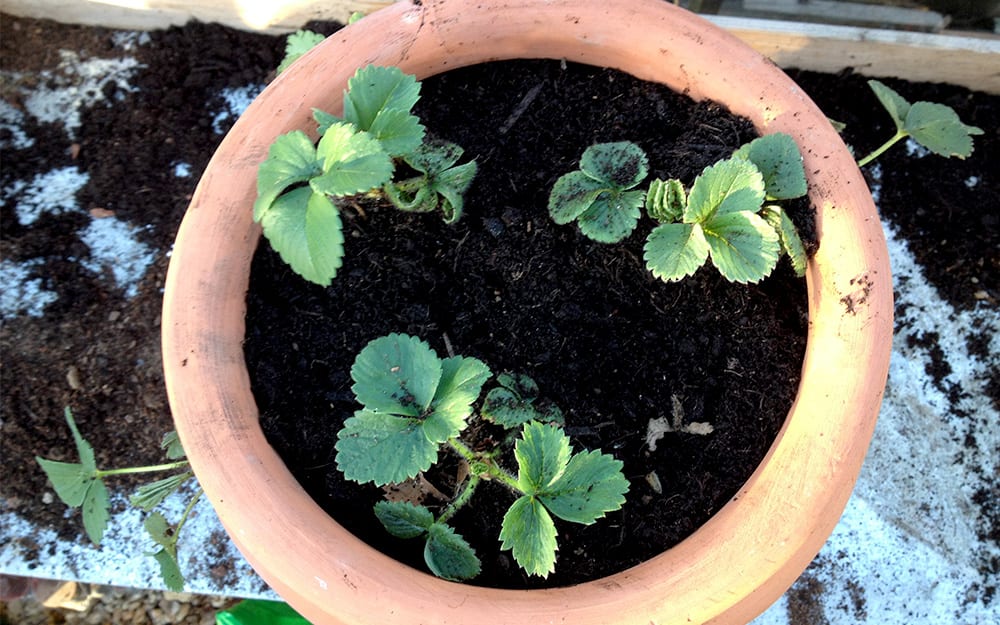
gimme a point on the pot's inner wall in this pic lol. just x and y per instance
(611, 345)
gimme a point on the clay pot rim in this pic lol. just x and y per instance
(731, 568)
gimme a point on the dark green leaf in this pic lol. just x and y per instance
(620, 165)
(434, 156)
(305, 229)
(938, 128)
(591, 486)
(325, 120)
(462, 380)
(542, 454)
(613, 216)
(70, 480)
(780, 163)
(403, 519)
(505, 408)
(397, 374)
(170, 571)
(382, 448)
(151, 495)
(448, 555)
(374, 89)
(895, 104)
(788, 236)
(291, 159)
(572, 195)
(398, 131)
(172, 444)
(297, 44)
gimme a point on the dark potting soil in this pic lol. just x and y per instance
(614, 347)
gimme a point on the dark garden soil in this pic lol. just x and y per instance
(603, 339)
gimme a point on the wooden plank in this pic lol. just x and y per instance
(969, 61)
(847, 13)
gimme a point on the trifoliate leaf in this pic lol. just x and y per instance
(613, 216)
(572, 195)
(448, 555)
(728, 186)
(403, 519)
(396, 374)
(170, 571)
(352, 162)
(938, 128)
(542, 453)
(151, 495)
(382, 448)
(895, 104)
(374, 89)
(778, 158)
(788, 236)
(675, 251)
(743, 247)
(620, 165)
(172, 444)
(305, 229)
(297, 44)
(398, 131)
(291, 159)
(591, 486)
(529, 532)
(462, 379)
(666, 200)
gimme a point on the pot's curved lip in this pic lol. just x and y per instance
(730, 569)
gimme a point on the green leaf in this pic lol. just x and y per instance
(895, 104)
(448, 555)
(398, 374)
(542, 454)
(260, 612)
(666, 200)
(621, 165)
(434, 156)
(743, 247)
(529, 532)
(325, 120)
(728, 186)
(382, 448)
(452, 184)
(161, 531)
(520, 384)
(613, 216)
(572, 195)
(778, 158)
(374, 89)
(291, 159)
(591, 486)
(403, 519)
(462, 380)
(297, 44)
(412, 195)
(172, 444)
(305, 229)
(170, 571)
(96, 511)
(788, 236)
(938, 128)
(151, 495)
(505, 408)
(83, 448)
(674, 251)
(352, 162)
(71, 480)
(398, 131)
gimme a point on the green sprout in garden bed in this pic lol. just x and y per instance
(81, 485)
(415, 404)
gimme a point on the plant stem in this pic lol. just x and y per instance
(461, 500)
(187, 511)
(882, 148)
(150, 469)
(492, 470)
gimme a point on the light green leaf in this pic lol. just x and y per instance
(260, 612)
(172, 444)
(788, 236)
(895, 104)
(382, 448)
(434, 156)
(613, 216)
(151, 495)
(291, 159)
(448, 555)
(71, 480)
(96, 511)
(398, 131)
(728, 186)
(620, 165)
(542, 454)
(938, 128)
(353, 162)
(743, 247)
(778, 158)
(530, 534)
(666, 200)
(591, 486)
(305, 229)
(462, 380)
(373, 89)
(83, 448)
(397, 374)
(325, 120)
(572, 195)
(403, 519)
(674, 251)
(170, 571)
(297, 44)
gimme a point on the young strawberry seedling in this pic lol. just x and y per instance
(414, 404)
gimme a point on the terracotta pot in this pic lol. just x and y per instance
(729, 570)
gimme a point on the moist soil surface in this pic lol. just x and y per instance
(504, 285)
(611, 345)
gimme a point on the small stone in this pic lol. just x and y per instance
(981, 295)
(114, 315)
(48, 498)
(73, 378)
